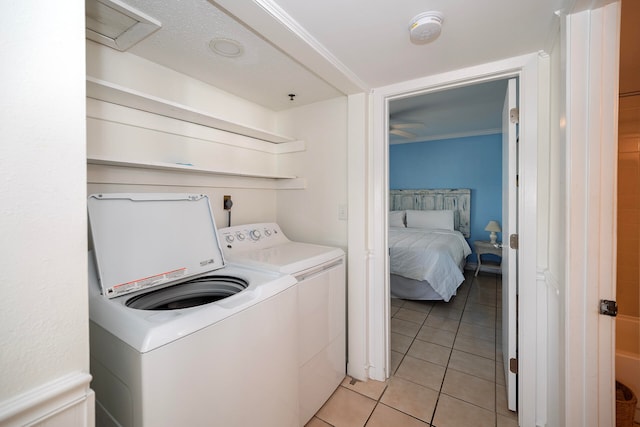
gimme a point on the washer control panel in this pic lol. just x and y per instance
(251, 236)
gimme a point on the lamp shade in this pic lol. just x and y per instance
(493, 226)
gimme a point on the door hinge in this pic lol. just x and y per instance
(513, 365)
(513, 241)
(608, 307)
(514, 115)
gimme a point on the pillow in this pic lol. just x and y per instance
(396, 219)
(442, 220)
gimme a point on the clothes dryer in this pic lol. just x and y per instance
(177, 335)
(321, 315)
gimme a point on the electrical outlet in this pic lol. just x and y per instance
(227, 203)
(342, 211)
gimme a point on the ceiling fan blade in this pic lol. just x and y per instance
(402, 133)
(407, 125)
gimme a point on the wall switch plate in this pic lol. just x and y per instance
(342, 211)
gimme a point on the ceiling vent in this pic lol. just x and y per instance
(116, 24)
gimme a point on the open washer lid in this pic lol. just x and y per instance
(148, 240)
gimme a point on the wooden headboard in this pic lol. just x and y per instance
(456, 199)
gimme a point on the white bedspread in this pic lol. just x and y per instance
(431, 255)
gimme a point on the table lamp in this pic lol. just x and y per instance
(494, 228)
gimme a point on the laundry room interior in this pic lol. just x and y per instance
(154, 130)
(277, 114)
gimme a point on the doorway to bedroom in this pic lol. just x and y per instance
(441, 144)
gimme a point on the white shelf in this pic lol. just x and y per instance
(178, 167)
(116, 94)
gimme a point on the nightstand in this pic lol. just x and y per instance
(483, 247)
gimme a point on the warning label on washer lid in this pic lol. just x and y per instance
(145, 282)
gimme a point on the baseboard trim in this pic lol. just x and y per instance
(55, 403)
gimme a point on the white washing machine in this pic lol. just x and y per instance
(178, 337)
(321, 318)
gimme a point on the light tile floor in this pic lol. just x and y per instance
(446, 365)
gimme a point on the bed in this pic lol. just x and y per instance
(427, 245)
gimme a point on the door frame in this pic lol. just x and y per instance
(526, 68)
(509, 255)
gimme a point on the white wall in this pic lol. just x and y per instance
(43, 309)
(125, 134)
(555, 252)
(249, 205)
(311, 215)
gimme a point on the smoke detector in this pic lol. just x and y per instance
(425, 27)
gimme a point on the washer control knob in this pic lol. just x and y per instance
(240, 236)
(255, 234)
(229, 238)
(267, 232)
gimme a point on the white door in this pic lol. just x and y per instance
(592, 115)
(509, 227)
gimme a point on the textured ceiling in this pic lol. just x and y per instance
(368, 41)
(332, 47)
(262, 74)
(371, 38)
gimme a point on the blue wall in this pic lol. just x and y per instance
(471, 162)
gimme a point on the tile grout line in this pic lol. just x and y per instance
(459, 321)
(400, 363)
(468, 307)
(466, 300)
(415, 337)
(495, 351)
